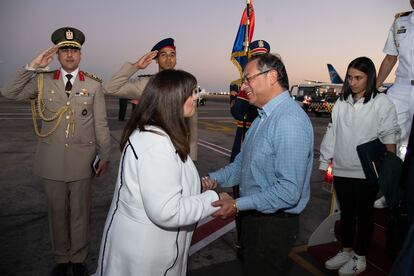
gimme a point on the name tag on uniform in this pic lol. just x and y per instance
(401, 30)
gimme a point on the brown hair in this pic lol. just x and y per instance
(161, 105)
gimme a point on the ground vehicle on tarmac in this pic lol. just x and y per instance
(318, 97)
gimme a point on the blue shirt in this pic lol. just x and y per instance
(274, 165)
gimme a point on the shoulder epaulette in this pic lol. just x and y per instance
(92, 76)
(401, 14)
(145, 75)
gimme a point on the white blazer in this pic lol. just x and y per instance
(154, 211)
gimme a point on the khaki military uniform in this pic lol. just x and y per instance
(63, 159)
(121, 86)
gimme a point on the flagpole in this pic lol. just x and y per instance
(247, 38)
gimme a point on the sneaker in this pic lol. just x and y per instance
(380, 203)
(354, 266)
(338, 260)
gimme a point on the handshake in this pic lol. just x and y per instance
(228, 205)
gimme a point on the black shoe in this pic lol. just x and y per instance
(79, 269)
(60, 269)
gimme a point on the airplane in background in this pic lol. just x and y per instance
(319, 97)
(333, 75)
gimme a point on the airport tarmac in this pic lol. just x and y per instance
(24, 236)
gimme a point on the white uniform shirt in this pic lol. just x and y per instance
(404, 37)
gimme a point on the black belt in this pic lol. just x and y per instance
(277, 214)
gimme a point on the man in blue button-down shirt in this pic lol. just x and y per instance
(273, 169)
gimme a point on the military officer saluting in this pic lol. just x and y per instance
(122, 85)
(71, 107)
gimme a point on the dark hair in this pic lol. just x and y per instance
(271, 61)
(366, 66)
(161, 105)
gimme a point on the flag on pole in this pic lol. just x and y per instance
(243, 37)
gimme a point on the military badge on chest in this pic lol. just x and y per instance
(84, 98)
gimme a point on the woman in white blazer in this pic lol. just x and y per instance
(157, 200)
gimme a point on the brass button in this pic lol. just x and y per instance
(52, 92)
(67, 103)
(85, 103)
(50, 99)
(90, 142)
(67, 117)
(66, 145)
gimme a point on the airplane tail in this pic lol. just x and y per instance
(334, 76)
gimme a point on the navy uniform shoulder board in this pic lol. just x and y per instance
(93, 76)
(394, 26)
(402, 14)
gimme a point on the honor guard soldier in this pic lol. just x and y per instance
(71, 107)
(399, 46)
(245, 114)
(121, 84)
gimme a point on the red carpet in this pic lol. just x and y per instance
(378, 260)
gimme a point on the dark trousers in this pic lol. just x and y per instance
(356, 198)
(267, 241)
(123, 105)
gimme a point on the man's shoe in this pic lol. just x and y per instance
(338, 260)
(79, 269)
(380, 203)
(357, 264)
(60, 269)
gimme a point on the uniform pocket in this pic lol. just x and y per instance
(83, 107)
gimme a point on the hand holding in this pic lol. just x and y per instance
(207, 183)
(44, 59)
(228, 207)
(145, 60)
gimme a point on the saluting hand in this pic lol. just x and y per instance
(102, 168)
(207, 183)
(145, 60)
(44, 59)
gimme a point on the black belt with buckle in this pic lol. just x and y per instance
(278, 214)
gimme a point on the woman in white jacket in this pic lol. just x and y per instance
(157, 200)
(360, 115)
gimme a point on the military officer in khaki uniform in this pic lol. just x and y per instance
(121, 85)
(74, 129)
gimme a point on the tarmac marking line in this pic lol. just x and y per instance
(214, 149)
(214, 145)
(216, 127)
(294, 256)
